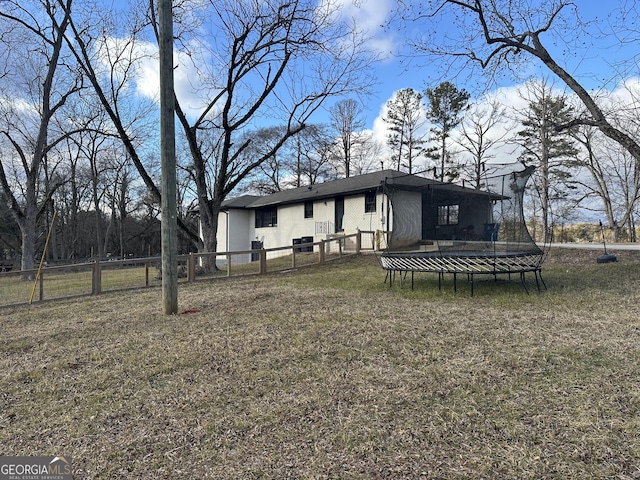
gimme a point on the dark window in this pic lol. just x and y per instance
(267, 217)
(308, 209)
(448, 214)
(369, 202)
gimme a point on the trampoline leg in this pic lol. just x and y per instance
(471, 277)
(455, 282)
(439, 280)
(524, 284)
(539, 272)
(412, 279)
(537, 282)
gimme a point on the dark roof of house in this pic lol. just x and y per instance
(242, 201)
(345, 186)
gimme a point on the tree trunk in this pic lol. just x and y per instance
(27, 226)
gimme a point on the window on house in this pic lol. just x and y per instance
(308, 209)
(267, 217)
(370, 202)
(448, 214)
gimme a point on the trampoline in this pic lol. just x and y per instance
(503, 248)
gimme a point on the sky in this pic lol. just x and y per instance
(589, 50)
(593, 62)
(595, 56)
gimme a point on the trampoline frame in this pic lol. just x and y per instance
(467, 262)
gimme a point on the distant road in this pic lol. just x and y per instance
(598, 246)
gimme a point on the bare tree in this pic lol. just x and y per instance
(311, 155)
(502, 35)
(270, 176)
(479, 134)
(277, 60)
(346, 119)
(612, 180)
(305, 159)
(366, 154)
(41, 80)
(109, 48)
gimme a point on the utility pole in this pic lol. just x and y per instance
(169, 236)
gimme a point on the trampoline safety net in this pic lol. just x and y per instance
(488, 220)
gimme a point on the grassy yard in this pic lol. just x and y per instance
(329, 373)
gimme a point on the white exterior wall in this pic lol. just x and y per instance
(234, 233)
(292, 224)
(356, 219)
(324, 211)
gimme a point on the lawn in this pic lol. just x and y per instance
(329, 373)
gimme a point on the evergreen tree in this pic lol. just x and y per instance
(546, 148)
(445, 105)
(405, 119)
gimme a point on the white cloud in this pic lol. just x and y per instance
(369, 17)
(187, 79)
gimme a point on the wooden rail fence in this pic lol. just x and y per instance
(96, 277)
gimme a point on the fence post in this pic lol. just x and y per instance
(358, 241)
(322, 251)
(191, 268)
(228, 264)
(147, 264)
(96, 280)
(263, 261)
(42, 286)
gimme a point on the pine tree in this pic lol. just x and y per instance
(445, 105)
(405, 119)
(546, 148)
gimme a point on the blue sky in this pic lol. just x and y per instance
(592, 58)
(586, 47)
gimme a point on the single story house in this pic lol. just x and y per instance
(410, 208)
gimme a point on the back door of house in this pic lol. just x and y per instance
(339, 214)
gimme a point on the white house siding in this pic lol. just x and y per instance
(234, 233)
(324, 212)
(291, 224)
(237, 229)
(355, 218)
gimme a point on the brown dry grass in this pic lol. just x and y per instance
(328, 373)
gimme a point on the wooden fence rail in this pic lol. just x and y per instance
(94, 278)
